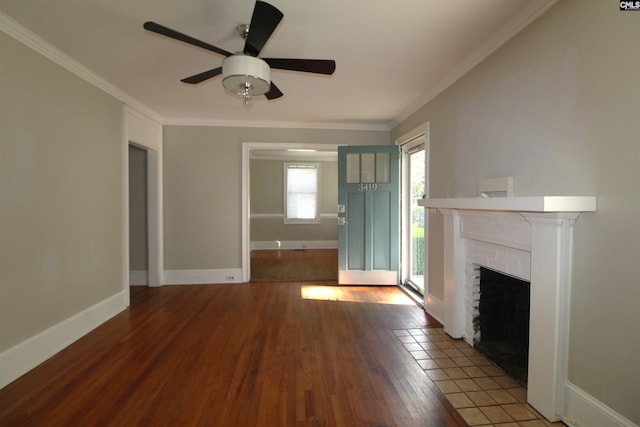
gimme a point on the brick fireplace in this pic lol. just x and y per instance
(527, 237)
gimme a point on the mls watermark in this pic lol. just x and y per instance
(630, 5)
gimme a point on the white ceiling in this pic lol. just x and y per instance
(392, 56)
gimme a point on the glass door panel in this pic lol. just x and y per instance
(416, 190)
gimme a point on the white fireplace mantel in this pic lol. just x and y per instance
(516, 204)
(539, 228)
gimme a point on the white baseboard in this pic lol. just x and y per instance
(21, 358)
(294, 244)
(202, 277)
(138, 278)
(434, 307)
(583, 410)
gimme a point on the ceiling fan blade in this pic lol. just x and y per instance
(318, 66)
(200, 77)
(274, 92)
(168, 32)
(264, 21)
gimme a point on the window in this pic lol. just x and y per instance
(301, 193)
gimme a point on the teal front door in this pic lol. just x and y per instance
(368, 215)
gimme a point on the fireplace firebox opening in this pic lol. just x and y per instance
(502, 322)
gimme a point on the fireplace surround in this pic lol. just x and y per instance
(527, 237)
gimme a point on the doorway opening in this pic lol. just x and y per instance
(145, 134)
(265, 232)
(415, 237)
(138, 217)
(415, 155)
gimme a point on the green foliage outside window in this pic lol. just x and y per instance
(417, 236)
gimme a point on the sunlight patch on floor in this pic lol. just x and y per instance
(368, 294)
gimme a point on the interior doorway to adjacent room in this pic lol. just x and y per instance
(138, 217)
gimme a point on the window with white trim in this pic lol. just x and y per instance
(301, 184)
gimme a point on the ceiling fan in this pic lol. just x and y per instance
(243, 73)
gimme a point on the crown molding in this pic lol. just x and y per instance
(31, 40)
(490, 45)
(15, 30)
(501, 36)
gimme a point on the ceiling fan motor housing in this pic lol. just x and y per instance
(238, 70)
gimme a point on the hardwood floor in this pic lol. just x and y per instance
(294, 264)
(267, 354)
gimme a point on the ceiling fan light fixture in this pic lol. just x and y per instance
(246, 76)
(243, 73)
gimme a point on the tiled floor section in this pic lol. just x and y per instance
(481, 392)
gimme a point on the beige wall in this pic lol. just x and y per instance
(61, 182)
(557, 108)
(267, 197)
(202, 188)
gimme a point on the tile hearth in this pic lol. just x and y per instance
(481, 392)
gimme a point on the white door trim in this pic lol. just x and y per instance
(145, 133)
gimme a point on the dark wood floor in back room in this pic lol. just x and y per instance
(258, 354)
(294, 264)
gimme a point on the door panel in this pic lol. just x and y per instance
(381, 231)
(355, 232)
(368, 214)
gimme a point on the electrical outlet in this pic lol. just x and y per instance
(230, 278)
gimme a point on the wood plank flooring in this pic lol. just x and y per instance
(294, 264)
(266, 354)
